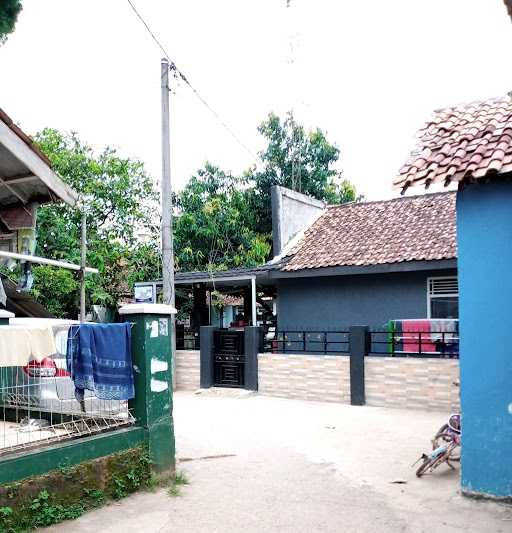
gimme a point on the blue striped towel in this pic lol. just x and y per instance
(99, 359)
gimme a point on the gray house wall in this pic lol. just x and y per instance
(292, 212)
(328, 303)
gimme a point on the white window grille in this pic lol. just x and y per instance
(442, 297)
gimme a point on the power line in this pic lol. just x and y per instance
(179, 74)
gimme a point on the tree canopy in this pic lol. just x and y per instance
(121, 205)
(225, 221)
(216, 227)
(9, 11)
(297, 159)
(221, 220)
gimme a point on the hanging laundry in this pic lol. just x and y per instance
(20, 344)
(99, 359)
(445, 335)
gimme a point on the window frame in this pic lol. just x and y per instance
(444, 295)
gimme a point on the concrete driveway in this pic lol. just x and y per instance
(259, 464)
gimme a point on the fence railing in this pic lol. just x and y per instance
(309, 342)
(421, 344)
(38, 404)
(380, 343)
(187, 338)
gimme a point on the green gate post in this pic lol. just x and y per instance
(152, 360)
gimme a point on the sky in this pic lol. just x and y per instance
(368, 73)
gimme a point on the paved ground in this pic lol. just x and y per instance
(293, 466)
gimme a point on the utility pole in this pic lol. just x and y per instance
(167, 244)
(83, 249)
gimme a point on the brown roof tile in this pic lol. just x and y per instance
(508, 4)
(415, 228)
(463, 142)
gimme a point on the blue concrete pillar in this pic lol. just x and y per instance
(484, 228)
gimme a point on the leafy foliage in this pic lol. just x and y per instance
(216, 228)
(74, 491)
(299, 160)
(9, 11)
(225, 221)
(58, 288)
(120, 201)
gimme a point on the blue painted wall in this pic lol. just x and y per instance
(327, 303)
(484, 227)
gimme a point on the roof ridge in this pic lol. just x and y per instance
(477, 101)
(389, 200)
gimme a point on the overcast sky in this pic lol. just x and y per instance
(367, 72)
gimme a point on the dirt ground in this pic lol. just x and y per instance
(260, 464)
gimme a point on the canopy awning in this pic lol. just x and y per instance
(26, 176)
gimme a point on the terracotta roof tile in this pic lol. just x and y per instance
(415, 228)
(463, 142)
(508, 4)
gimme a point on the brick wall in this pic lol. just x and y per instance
(412, 383)
(390, 382)
(306, 377)
(187, 370)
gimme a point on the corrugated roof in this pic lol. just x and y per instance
(4, 117)
(416, 228)
(463, 142)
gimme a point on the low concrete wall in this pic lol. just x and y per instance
(307, 377)
(412, 383)
(408, 383)
(187, 370)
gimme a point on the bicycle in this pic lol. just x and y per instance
(445, 444)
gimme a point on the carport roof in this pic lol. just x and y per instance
(234, 274)
(26, 175)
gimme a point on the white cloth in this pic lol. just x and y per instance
(20, 344)
(448, 326)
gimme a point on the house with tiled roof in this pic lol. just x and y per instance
(369, 262)
(471, 145)
(343, 265)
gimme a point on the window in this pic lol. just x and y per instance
(443, 297)
(6, 245)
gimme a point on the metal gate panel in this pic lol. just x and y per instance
(229, 359)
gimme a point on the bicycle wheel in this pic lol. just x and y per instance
(441, 432)
(427, 463)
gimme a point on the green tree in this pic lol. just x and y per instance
(215, 226)
(297, 159)
(120, 203)
(9, 11)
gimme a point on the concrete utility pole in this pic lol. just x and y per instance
(83, 249)
(167, 244)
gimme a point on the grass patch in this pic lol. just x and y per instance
(174, 491)
(69, 491)
(176, 482)
(180, 479)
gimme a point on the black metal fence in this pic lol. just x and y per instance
(309, 342)
(187, 338)
(382, 343)
(414, 344)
